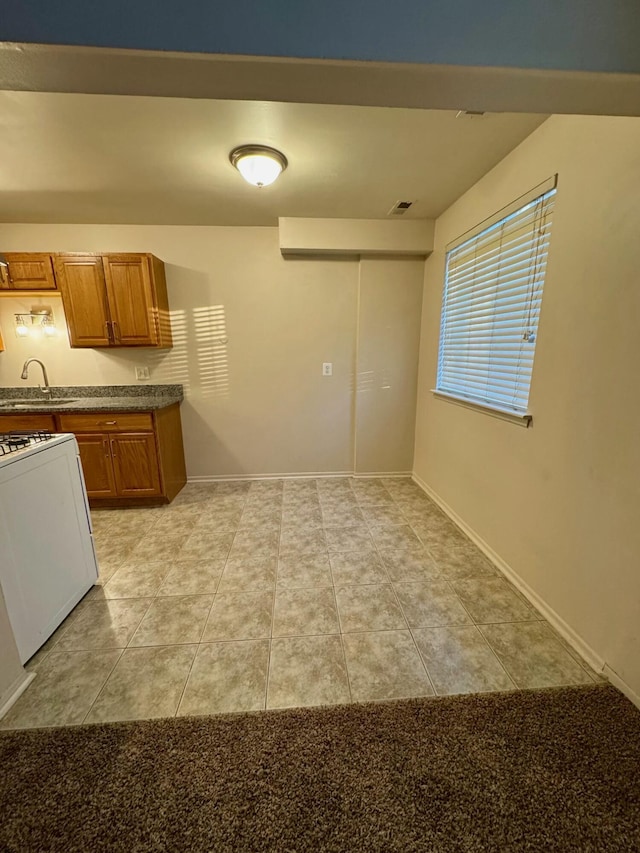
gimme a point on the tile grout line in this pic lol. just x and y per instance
(488, 644)
(549, 631)
(473, 622)
(195, 654)
(137, 628)
(187, 679)
(413, 639)
(273, 607)
(104, 684)
(340, 625)
(477, 624)
(409, 628)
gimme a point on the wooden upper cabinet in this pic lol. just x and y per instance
(115, 300)
(131, 301)
(27, 271)
(84, 296)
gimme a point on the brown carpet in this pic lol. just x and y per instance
(552, 770)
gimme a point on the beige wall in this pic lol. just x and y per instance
(388, 346)
(408, 237)
(560, 502)
(251, 331)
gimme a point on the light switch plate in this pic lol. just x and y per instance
(327, 368)
(142, 373)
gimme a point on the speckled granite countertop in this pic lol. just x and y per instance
(90, 398)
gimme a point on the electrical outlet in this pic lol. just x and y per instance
(142, 373)
(327, 368)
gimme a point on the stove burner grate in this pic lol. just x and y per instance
(10, 442)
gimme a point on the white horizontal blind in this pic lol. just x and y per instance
(491, 306)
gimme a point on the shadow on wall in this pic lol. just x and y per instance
(374, 380)
(199, 358)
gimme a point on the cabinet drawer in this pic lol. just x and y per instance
(18, 423)
(107, 422)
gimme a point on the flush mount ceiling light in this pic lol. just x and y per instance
(258, 164)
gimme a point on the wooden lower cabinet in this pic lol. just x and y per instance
(123, 465)
(128, 459)
(135, 464)
(95, 455)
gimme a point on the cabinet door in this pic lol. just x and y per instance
(84, 296)
(131, 300)
(95, 455)
(27, 271)
(135, 464)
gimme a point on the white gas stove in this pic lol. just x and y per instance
(14, 445)
(47, 559)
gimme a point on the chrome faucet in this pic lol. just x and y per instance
(25, 374)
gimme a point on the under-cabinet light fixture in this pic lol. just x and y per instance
(38, 319)
(22, 330)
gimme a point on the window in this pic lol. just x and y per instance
(491, 305)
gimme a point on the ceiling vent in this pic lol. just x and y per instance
(400, 208)
(469, 114)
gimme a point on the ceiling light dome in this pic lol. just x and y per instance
(258, 164)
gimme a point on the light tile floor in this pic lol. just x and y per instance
(270, 594)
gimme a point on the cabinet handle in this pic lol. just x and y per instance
(114, 326)
(113, 448)
(107, 326)
(107, 423)
(105, 444)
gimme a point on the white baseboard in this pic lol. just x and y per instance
(15, 691)
(316, 475)
(576, 642)
(230, 478)
(595, 661)
(612, 676)
(380, 475)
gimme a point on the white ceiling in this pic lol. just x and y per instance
(122, 159)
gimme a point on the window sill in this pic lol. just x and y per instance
(503, 414)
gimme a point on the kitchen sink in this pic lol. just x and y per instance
(30, 404)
